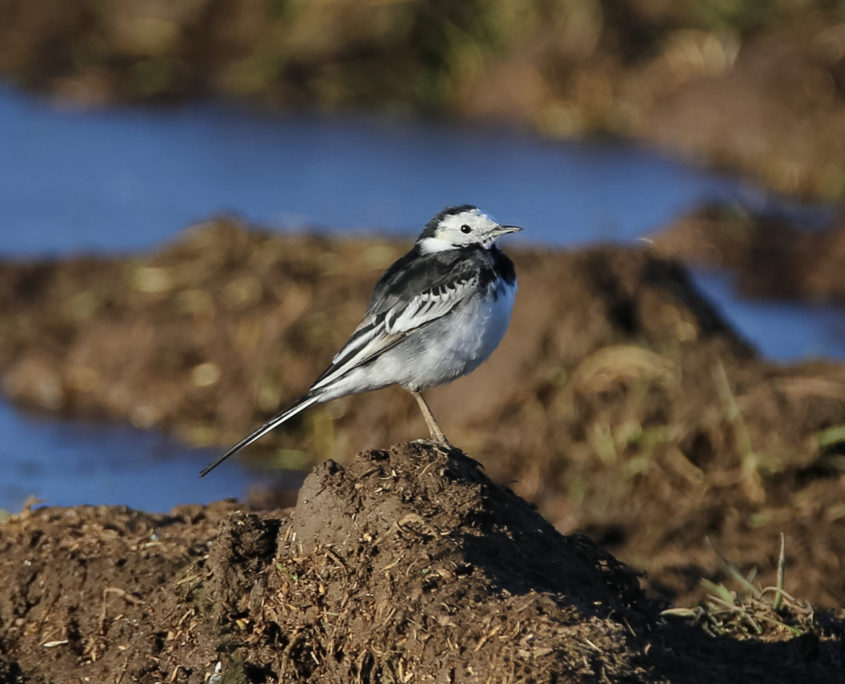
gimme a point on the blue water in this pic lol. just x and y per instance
(67, 463)
(778, 330)
(127, 179)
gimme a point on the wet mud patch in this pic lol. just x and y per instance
(405, 564)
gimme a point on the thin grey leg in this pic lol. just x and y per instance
(433, 428)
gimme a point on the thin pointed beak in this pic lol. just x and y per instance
(504, 230)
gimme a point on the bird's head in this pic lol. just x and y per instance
(462, 226)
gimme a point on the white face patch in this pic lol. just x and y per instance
(430, 245)
(470, 227)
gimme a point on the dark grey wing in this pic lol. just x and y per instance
(427, 306)
(405, 299)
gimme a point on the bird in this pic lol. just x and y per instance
(435, 314)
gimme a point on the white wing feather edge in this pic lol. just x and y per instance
(396, 323)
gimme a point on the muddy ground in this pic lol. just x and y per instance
(619, 402)
(758, 87)
(405, 565)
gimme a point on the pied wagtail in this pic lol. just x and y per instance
(435, 315)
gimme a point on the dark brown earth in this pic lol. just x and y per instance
(406, 564)
(758, 87)
(619, 402)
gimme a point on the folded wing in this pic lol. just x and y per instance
(380, 331)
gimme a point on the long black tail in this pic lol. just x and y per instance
(271, 424)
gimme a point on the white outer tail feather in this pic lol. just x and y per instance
(270, 425)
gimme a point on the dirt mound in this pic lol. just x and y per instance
(619, 402)
(405, 565)
(458, 576)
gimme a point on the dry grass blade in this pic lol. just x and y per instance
(830, 436)
(733, 572)
(749, 611)
(776, 602)
(614, 363)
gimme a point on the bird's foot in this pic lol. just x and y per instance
(441, 445)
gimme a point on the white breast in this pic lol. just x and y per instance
(458, 343)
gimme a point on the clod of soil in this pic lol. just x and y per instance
(407, 564)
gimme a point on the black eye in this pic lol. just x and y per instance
(466, 229)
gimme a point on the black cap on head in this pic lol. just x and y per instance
(431, 226)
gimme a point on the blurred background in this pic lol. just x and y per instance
(712, 132)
